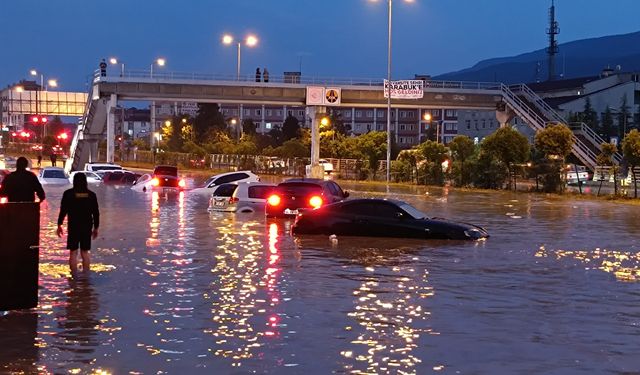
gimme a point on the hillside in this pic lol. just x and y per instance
(576, 59)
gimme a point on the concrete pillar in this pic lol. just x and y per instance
(315, 113)
(111, 128)
(263, 118)
(375, 119)
(504, 115)
(353, 119)
(152, 137)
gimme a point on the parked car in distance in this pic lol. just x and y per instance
(94, 167)
(3, 173)
(53, 176)
(9, 162)
(382, 218)
(120, 177)
(243, 197)
(92, 177)
(164, 179)
(296, 195)
(572, 176)
(224, 178)
(326, 165)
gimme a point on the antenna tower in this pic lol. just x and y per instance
(552, 50)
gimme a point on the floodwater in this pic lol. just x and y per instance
(178, 290)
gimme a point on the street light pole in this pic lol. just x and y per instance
(238, 69)
(389, 97)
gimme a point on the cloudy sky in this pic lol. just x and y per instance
(65, 39)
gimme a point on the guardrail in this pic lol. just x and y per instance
(281, 79)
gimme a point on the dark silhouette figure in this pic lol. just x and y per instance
(21, 185)
(39, 160)
(258, 75)
(265, 74)
(53, 158)
(81, 206)
(103, 68)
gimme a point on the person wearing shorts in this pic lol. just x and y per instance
(80, 205)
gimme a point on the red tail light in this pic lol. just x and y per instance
(155, 182)
(182, 184)
(315, 201)
(274, 200)
(233, 200)
(3, 200)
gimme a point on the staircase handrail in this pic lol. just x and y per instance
(537, 100)
(79, 129)
(586, 129)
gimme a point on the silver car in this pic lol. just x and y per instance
(241, 197)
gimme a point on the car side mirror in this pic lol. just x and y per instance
(400, 216)
(345, 194)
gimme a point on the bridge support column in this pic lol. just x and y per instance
(111, 128)
(316, 113)
(504, 114)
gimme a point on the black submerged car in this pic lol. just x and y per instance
(382, 218)
(300, 194)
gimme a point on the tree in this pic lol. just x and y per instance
(208, 118)
(607, 124)
(589, 116)
(462, 148)
(290, 128)
(631, 151)
(555, 143)
(508, 146)
(435, 154)
(248, 127)
(276, 136)
(623, 117)
(337, 123)
(373, 147)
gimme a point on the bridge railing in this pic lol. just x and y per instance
(160, 76)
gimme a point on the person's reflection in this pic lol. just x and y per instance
(19, 353)
(78, 323)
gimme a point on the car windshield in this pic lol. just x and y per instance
(413, 212)
(106, 168)
(209, 180)
(225, 190)
(166, 171)
(54, 174)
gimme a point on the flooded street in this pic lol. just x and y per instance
(178, 290)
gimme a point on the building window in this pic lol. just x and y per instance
(347, 114)
(380, 113)
(468, 122)
(411, 114)
(435, 113)
(409, 139)
(258, 112)
(369, 127)
(402, 140)
(269, 112)
(301, 113)
(379, 126)
(475, 124)
(247, 112)
(369, 113)
(484, 124)
(449, 113)
(402, 127)
(358, 113)
(289, 113)
(403, 114)
(279, 112)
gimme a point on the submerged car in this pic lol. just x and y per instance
(246, 197)
(296, 195)
(122, 177)
(164, 179)
(224, 178)
(382, 218)
(92, 177)
(53, 176)
(577, 173)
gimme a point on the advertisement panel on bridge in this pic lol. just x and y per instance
(405, 89)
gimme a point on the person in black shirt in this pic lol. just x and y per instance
(81, 206)
(21, 185)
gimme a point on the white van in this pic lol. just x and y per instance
(95, 167)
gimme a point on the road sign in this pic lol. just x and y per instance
(332, 96)
(315, 95)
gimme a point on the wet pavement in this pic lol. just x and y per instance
(176, 289)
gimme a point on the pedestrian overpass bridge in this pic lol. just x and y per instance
(98, 121)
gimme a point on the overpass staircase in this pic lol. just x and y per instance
(538, 114)
(92, 128)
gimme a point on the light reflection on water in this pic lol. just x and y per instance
(176, 289)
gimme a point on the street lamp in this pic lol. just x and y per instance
(250, 41)
(114, 61)
(52, 83)
(160, 61)
(390, 7)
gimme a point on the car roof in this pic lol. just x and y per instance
(52, 169)
(232, 172)
(376, 200)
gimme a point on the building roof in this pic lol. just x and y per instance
(563, 84)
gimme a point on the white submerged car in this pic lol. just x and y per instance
(246, 197)
(224, 178)
(53, 176)
(574, 176)
(92, 177)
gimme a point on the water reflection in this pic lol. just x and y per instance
(624, 265)
(19, 353)
(78, 323)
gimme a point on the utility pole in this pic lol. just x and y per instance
(552, 50)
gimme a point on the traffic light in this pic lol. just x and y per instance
(38, 120)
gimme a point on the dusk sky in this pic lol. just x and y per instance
(65, 39)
